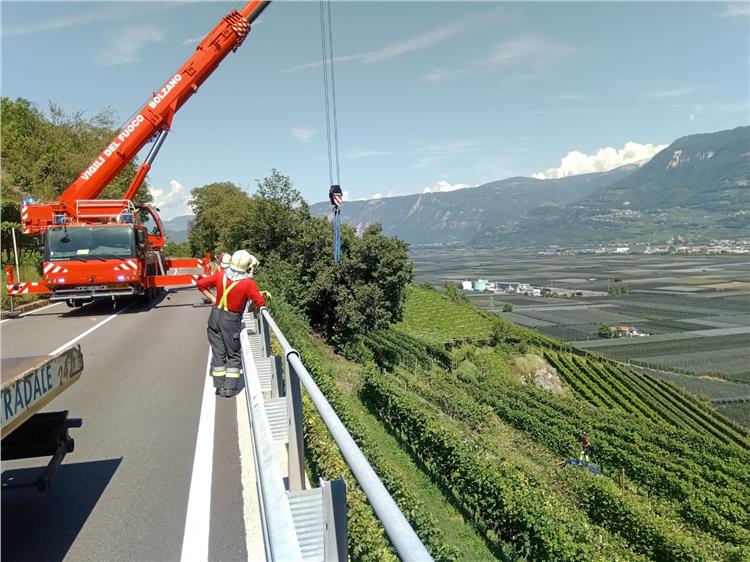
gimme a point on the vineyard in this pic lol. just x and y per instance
(444, 385)
(685, 467)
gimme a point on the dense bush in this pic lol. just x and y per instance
(362, 294)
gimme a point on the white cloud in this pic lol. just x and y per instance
(440, 75)
(456, 147)
(523, 51)
(602, 160)
(302, 134)
(391, 193)
(430, 154)
(673, 93)
(125, 47)
(442, 186)
(172, 202)
(426, 161)
(192, 40)
(111, 11)
(528, 57)
(399, 48)
(735, 9)
(357, 152)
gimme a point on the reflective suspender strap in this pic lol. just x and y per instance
(222, 304)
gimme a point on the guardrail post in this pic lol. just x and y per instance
(294, 418)
(336, 537)
(277, 377)
(265, 335)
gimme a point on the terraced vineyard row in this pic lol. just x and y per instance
(618, 388)
(498, 496)
(711, 497)
(391, 347)
(649, 529)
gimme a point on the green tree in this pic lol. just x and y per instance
(365, 292)
(453, 291)
(279, 213)
(604, 331)
(507, 307)
(222, 213)
(178, 250)
(43, 153)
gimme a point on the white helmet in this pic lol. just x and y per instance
(243, 261)
(225, 259)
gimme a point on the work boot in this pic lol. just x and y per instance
(218, 374)
(231, 383)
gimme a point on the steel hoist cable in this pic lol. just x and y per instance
(332, 128)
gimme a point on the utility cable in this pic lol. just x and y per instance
(326, 90)
(333, 95)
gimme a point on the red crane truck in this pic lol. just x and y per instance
(109, 248)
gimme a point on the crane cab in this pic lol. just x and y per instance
(107, 252)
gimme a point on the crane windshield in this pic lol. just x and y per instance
(89, 243)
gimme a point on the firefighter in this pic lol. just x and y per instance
(585, 447)
(234, 287)
(224, 260)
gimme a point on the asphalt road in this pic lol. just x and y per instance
(123, 493)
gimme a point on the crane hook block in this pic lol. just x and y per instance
(335, 195)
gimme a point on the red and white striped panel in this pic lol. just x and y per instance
(194, 279)
(128, 265)
(21, 288)
(24, 218)
(337, 199)
(52, 268)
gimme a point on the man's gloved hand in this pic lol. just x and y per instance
(266, 295)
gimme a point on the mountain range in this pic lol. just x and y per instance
(176, 229)
(696, 188)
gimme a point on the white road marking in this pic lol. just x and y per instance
(250, 503)
(198, 517)
(39, 309)
(32, 311)
(87, 332)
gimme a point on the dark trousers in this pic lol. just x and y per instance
(224, 337)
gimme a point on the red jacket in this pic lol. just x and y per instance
(245, 290)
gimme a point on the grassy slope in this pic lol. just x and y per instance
(461, 537)
(458, 533)
(434, 320)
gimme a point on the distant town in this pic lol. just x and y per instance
(676, 246)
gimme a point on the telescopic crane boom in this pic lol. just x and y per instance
(152, 120)
(112, 248)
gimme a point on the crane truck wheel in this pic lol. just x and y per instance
(74, 303)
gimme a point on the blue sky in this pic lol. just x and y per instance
(430, 94)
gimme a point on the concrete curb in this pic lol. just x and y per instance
(28, 307)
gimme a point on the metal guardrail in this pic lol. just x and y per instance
(280, 538)
(399, 531)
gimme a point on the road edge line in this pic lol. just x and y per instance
(196, 538)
